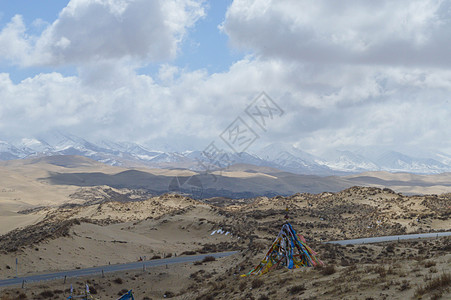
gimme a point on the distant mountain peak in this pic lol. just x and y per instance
(281, 156)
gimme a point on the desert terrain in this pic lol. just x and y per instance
(52, 227)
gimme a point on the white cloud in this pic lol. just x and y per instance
(14, 43)
(332, 66)
(354, 72)
(88, 31)
(359, 32)
(384, 106)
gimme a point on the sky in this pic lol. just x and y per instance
(344, 74)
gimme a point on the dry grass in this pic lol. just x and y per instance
(328, 270)
(257, 283)
(296, 289)
(436, 286)
(118, 280)
(208, 258)
(386, 270)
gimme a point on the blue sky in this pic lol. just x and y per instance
(204, 47)
(31, 12)
(180, 72)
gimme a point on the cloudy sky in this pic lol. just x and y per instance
(346, 73)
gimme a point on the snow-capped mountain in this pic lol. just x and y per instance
(214, 161)
(347, 161)
(276, 150)
(35, 145)
(292, 159)
(443, 158)
(57, 143)
(8, 151)
(398, 162)
(285, 157)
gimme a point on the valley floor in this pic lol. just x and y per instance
(93, 234)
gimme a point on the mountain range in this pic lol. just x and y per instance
(280, 156)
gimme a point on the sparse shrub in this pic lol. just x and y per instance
(46, 294)
(208, 258)
(156, 257)
(437, 285)
(392, 271)
(122, 292)
(328, 270)
(344, 262)
(283, 281)
(118, 280)
(351, 268)
(243, 285)
(390, 248)
(405, 285)
(22, 296)
(381, 271)
(296, 289)
(263, 297)
(429, 263)
(93, 290)
(168, 294)
(58, 291)
(206, 297)
(257, 283)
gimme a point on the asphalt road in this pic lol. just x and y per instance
(390, 238)
(112, 268)
(183, 259)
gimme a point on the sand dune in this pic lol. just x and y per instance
(405, 182)
(57, 180)
(112, 232)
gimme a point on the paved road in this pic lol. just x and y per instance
(389, 238)
(112, 268)
(182, 259)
